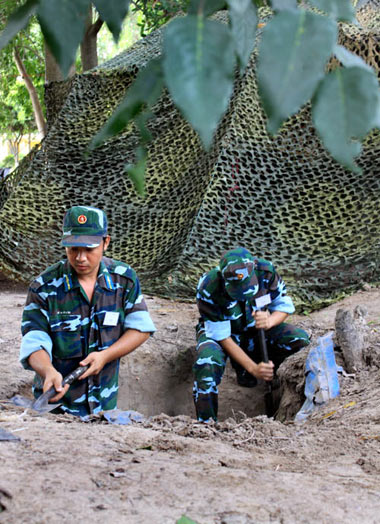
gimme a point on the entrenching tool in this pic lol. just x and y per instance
(41, 404)
(261, 302)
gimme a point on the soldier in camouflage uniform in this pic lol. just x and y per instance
(86, 310)
(229, 322)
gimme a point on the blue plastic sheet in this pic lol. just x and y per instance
(7, 435)
(321, 382)
(117, 416)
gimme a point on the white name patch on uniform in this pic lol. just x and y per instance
(111, 318)
(263, 301)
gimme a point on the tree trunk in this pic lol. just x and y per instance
(37, 109)
(88, 48)
(52, 71)
(56, 87)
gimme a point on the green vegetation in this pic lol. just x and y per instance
(25, 63)
(200, 57)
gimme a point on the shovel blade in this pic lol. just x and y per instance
(45, 408)
(41, 405)
(24, 402)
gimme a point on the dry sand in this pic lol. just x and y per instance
(246, 469)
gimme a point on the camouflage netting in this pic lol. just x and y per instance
(284, 198)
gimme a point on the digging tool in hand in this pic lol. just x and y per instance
(41, 404)
(261, 302)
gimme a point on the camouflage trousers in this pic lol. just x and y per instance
(282, 341)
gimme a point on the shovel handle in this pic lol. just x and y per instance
(78, 372)
(69, 379)
(263, 345)
(268, 395)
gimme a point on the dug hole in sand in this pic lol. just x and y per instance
(157, 378)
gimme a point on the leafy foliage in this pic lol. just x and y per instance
(205, 8)
(16, 111)
(199, 70)
(113, 13)
(243, 19)
(17, 21)
(140, 97)
(185, 520)
(143, 93)
(200, 56)
(156, 13)
(339, 9)
(293, 53)
(345, 109)
(72, 18)
(280, 5)
(8, 161)
(106, 46)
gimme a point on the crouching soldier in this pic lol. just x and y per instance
(229, 323)
(87, 310)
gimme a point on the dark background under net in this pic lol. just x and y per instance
(283, 198)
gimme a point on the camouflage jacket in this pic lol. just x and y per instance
(222, 317)
(58, 318)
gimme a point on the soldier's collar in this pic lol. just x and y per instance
(70, 279)
(104, 277)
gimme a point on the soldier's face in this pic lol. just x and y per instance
(85, 260)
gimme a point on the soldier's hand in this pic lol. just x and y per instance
(54, 378)
(265, 370)
(96, 361)
(262, 319)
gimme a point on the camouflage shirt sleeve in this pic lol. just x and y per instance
(216, 322)
(135, 309)
(34, 327)
(281, 301)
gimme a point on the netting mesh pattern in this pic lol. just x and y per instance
(283, 198)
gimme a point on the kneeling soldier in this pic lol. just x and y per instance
(229, 323)
(87, 310)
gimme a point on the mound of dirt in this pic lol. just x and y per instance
(246, 469)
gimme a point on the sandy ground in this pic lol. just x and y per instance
(243, 470)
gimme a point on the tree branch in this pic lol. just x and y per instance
(94, 28)
(37, 109)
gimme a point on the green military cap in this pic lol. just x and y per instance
(84, 226)
(237, 267)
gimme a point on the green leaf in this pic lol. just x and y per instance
(346, 107)
(281, 5)
(349, 59)
(113, 12)
(141, 121)
(293, 52)
(144, 91)
(63, 23)
(185, 520)
(243, 19)
(17, 21)
(137, 174)
(205, 7)
(199, 64)
(339, 9)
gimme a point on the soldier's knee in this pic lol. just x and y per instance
(210, 362)
(304, 338)
(206, 367)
